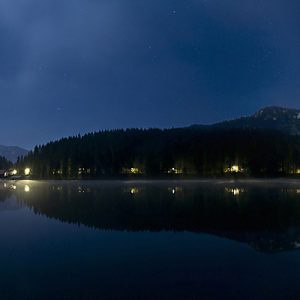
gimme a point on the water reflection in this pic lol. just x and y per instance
(265, 217)
(235, 191)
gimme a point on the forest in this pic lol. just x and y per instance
(181, 152)
(4, 163)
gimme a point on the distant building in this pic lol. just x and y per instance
(3, 173)
(11, 172)
(133, 171)
(234, 169)
(175, 171)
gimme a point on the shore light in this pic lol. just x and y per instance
(235, 169)
(27, 171)
(134, 171)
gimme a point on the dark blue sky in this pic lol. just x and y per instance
(69, 67)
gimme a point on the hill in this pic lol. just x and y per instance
(277, 118)
(264, 144)
(12, 153)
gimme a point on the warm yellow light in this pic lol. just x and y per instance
(27, 171)
(14, 172)
(235, 191)
(175, 171)
(235, 169)
(27, 189)
(134, 190)
(134, 171)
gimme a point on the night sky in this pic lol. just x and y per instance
(69, 67)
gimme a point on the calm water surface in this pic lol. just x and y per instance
(150, 240)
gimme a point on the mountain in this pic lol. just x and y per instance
(256, 145)
(12, 153)
(276, 118)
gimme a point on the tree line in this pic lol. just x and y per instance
(4, 163)
(192, 151)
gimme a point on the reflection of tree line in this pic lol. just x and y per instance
(4, 163)
(258, 216)
(158, 208)
(5, 194)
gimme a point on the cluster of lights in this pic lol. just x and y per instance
(134, 171)
(234, 169)
(83, 171)
(14, 172)
(175, 171)
(14, 187)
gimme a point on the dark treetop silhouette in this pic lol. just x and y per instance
(264, 144)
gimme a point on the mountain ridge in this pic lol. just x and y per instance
(286, 120)
(12, 153)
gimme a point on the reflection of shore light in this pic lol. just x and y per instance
(80, 189)
(175, 190)
(27, 189)
(14, 187)
(235, 191)
(27, 171)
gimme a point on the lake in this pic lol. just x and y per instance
(205, 239)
